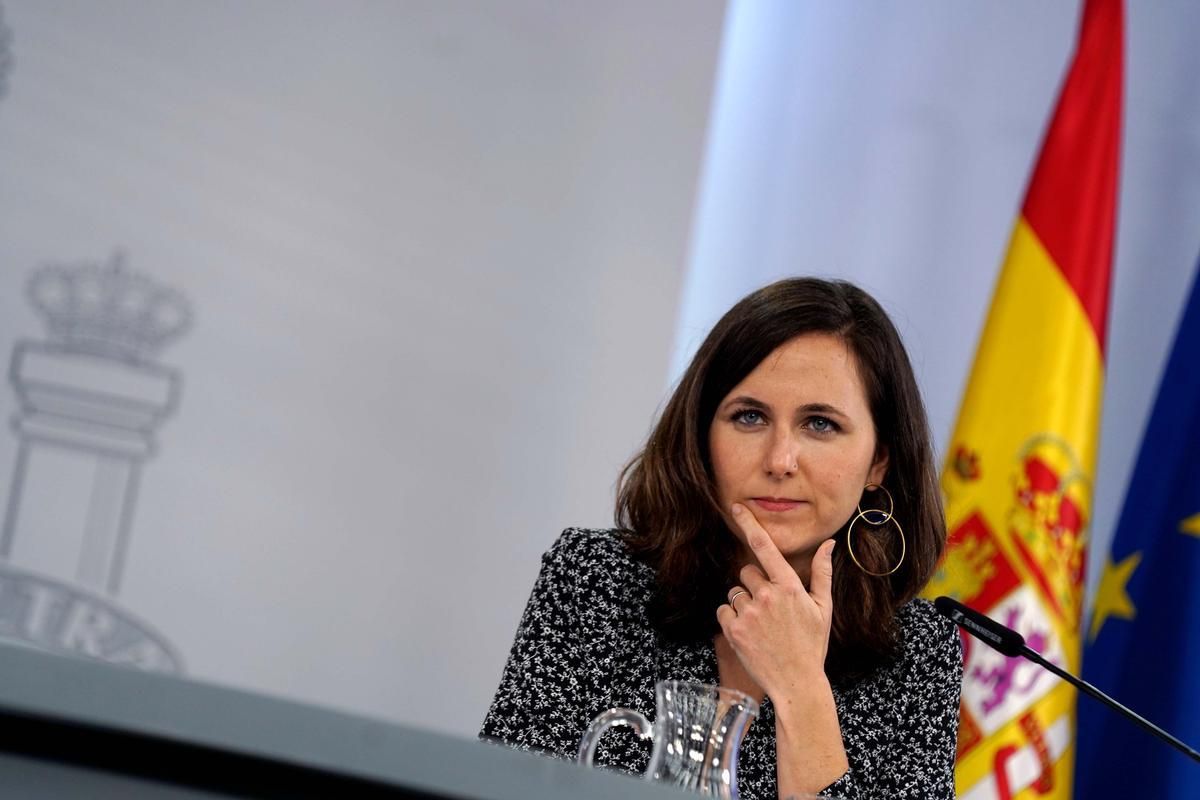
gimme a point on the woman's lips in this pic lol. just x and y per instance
(776, 503)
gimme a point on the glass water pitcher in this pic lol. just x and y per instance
(696, 734)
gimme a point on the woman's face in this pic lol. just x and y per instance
(794, 442)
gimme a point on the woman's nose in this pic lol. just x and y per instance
(782, 458)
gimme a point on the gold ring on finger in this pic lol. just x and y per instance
(735, 596)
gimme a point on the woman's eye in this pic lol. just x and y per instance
(822, 425)
(748, 416)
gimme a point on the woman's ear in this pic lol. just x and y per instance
(879, 467)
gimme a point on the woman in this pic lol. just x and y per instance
(774, 533)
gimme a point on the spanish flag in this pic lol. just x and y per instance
(1020, 466)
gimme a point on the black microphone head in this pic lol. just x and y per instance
(982, 627)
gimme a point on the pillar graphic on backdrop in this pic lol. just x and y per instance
(5, 53)
(91, 399)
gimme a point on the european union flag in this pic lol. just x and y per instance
(1144, 637)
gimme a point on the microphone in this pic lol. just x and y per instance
(1007, 641)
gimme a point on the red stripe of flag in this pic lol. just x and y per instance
(1072, 198)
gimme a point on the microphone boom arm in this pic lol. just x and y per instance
(1010, 643)
(1091, 691)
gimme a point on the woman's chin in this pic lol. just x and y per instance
(792, 542)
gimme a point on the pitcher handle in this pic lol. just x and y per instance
(609, 719)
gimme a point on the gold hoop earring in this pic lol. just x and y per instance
(887, 517)
(876, 487)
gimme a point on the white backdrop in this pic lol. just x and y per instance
(436, 253)
(433, 250)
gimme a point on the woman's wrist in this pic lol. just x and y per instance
(804, 691)
(808, 736)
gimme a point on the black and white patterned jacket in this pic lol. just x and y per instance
(585, 644)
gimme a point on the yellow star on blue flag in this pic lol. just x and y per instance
(1112, 598)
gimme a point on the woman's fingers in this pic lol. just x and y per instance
(778, 627)
(821, 582)
(769, 558)
(725, 615)
(752, 578)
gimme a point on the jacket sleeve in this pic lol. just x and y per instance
(923, 753)
(844, 788)
(547, 691)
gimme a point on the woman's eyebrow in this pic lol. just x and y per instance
(747, 400)
(820, 408)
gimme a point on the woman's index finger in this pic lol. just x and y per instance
(769, 558)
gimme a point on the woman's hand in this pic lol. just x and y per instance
(780, 633)
(779, 629)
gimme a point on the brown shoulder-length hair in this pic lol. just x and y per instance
(666, 500)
